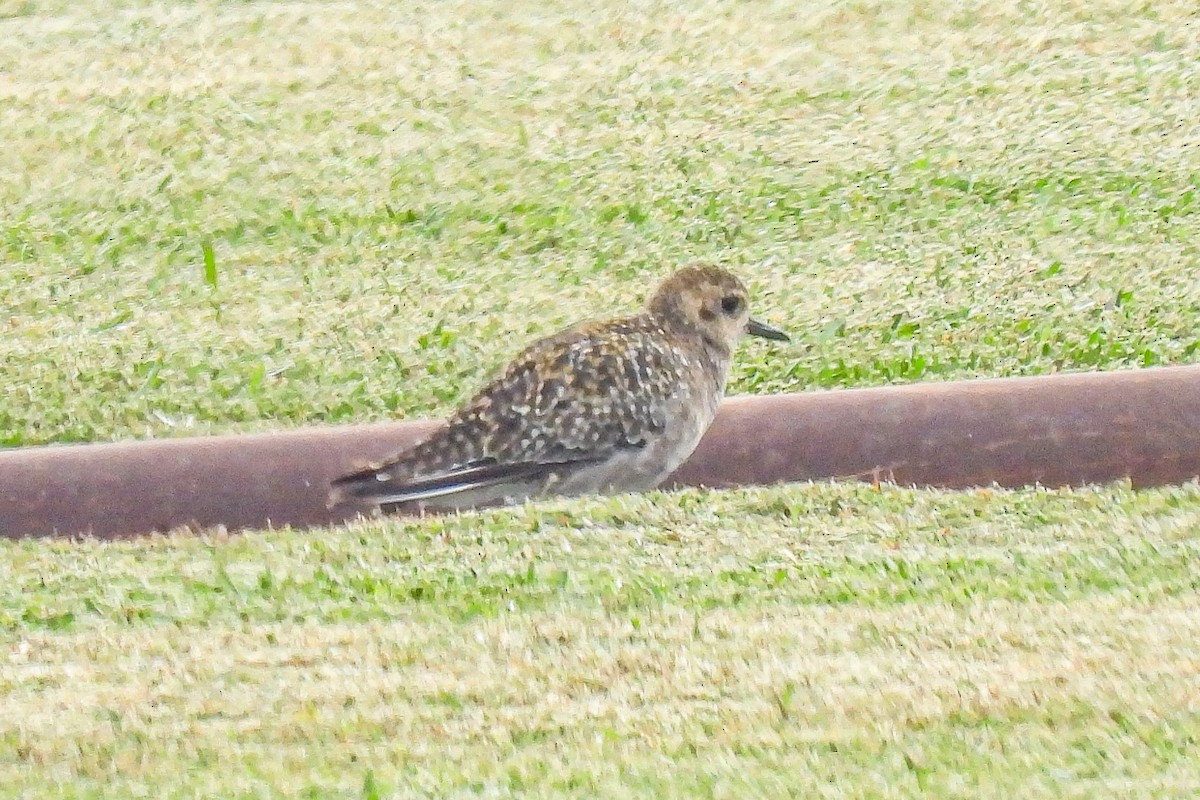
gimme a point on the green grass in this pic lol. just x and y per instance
(763, 642)
(244, 216)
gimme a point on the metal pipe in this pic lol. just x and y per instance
(1055, 430)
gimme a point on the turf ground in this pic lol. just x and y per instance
(240, 216)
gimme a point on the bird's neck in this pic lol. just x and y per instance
(713, 355)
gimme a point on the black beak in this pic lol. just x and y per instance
(756, 328)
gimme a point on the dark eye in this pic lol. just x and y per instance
(731, 304)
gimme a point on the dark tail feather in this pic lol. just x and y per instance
(376, 487)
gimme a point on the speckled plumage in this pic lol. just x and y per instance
(603, 406)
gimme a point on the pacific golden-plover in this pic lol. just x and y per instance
(602, 407)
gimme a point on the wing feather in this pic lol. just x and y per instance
(567, 401)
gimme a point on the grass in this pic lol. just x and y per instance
(833, 640)
(241, 216)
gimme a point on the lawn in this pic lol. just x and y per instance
(244, 216)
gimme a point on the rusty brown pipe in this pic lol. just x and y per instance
(1054, 430)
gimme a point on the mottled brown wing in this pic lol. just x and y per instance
(572, 399)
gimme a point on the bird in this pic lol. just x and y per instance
(602, 407)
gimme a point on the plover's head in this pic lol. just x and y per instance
(711, 302)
